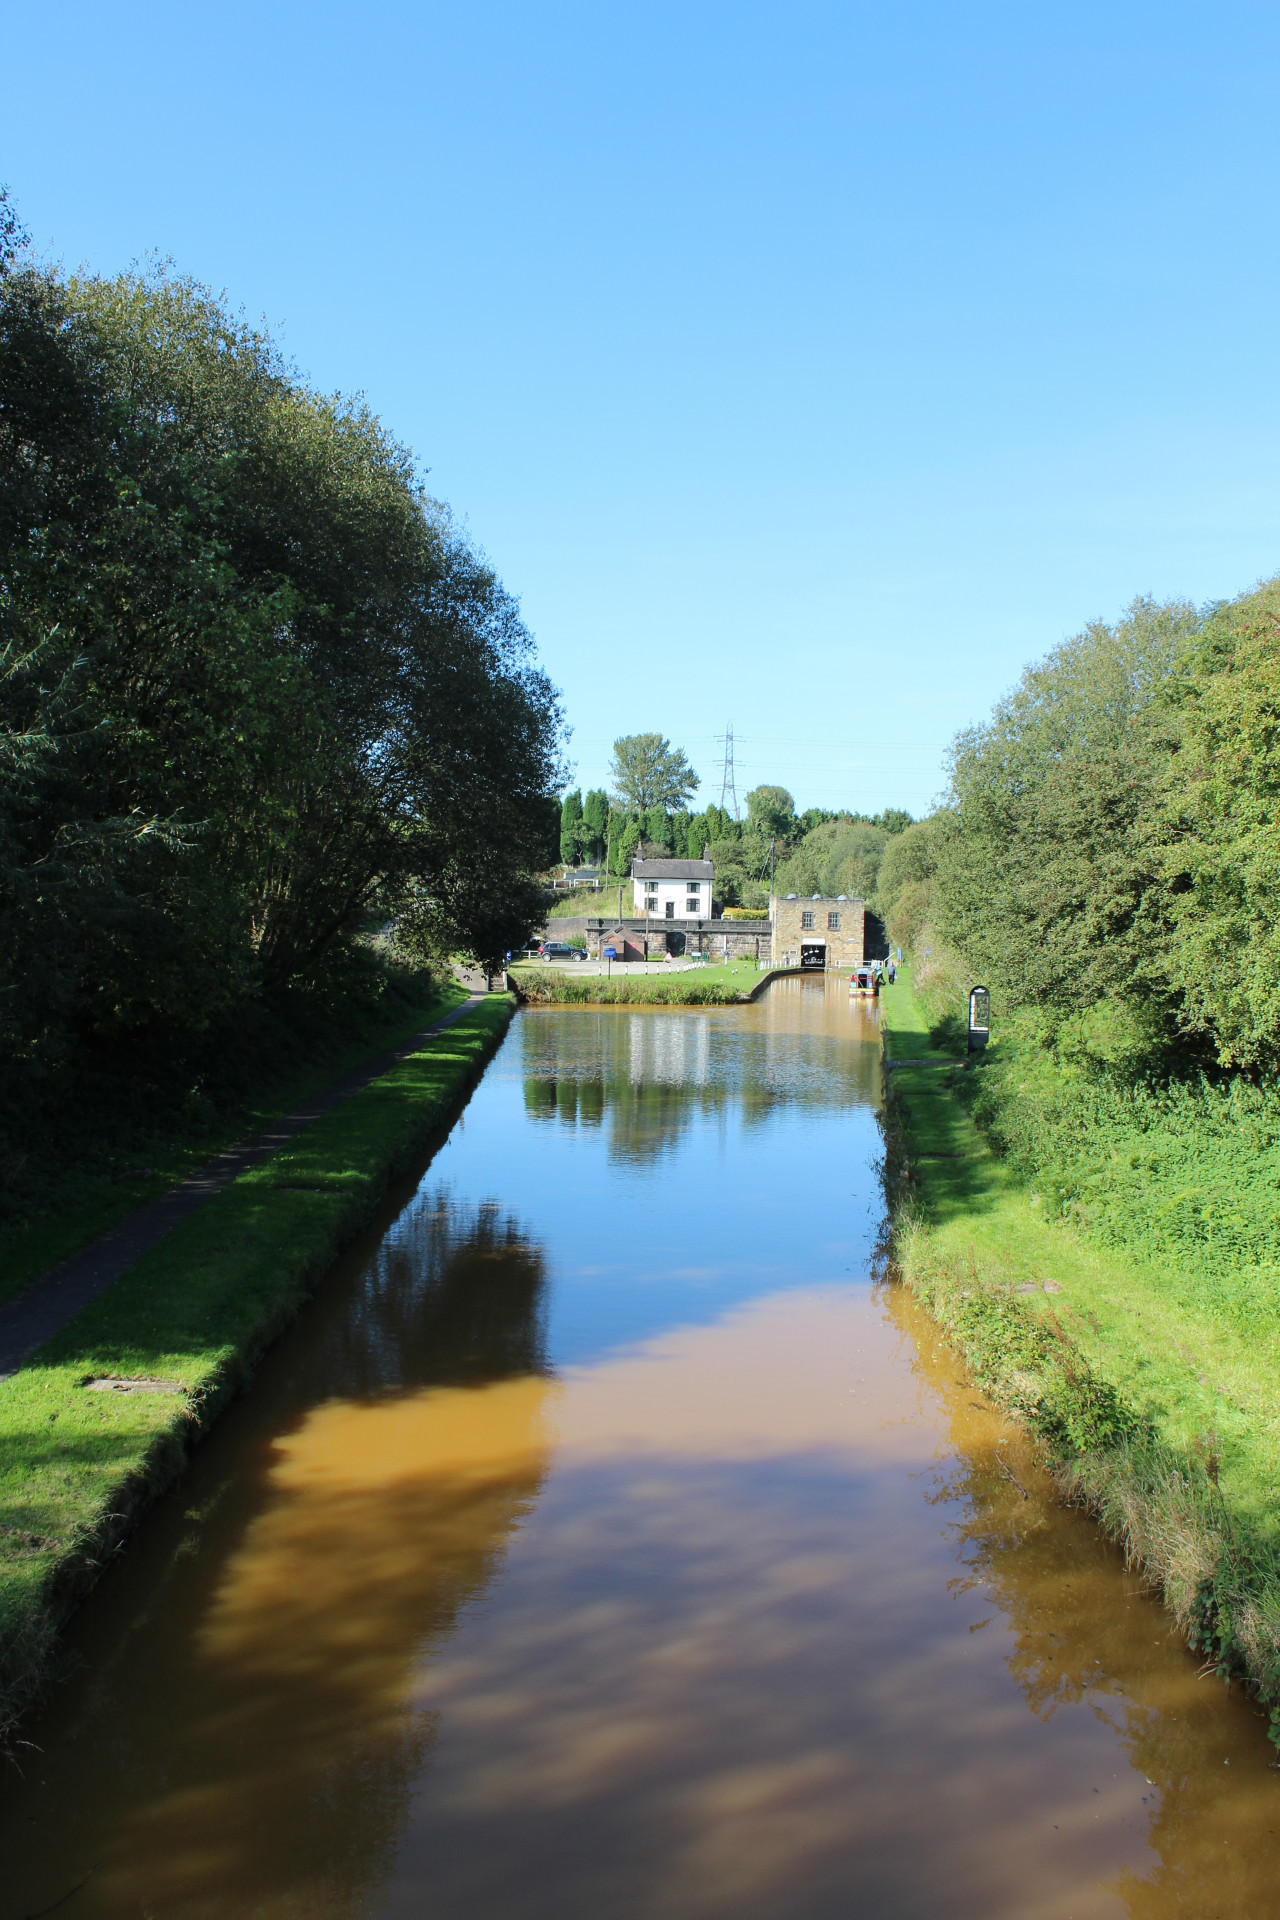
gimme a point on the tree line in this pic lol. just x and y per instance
(257, 693)
(816, 851)
(1110, 836)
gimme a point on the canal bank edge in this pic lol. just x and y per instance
(689, 988)
(64, 1227)
(182, 1332)
(1016, 1306)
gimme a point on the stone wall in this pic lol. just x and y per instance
(740, 939)
(844, 943)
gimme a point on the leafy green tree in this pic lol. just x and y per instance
(544, 836)
(13, 235)
(842, 855)
(1056, 879)
(629, 846)
(904, 883)
(648, 772)
(657, 826)
(571, 827)
(255, 687)
(894, 820)
(595, 823)
(771, 811)
(619, 820)
(909, 857)
(1222, 821)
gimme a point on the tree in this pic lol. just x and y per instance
(13, 235)
(842, 855)
(1222, 837)
(771, 811)
(904, 883)
(1056, 879)
(894, 820)
(544, 832)
(570, 827)
(595, 823)
(617, 826)
(647, 771)
(627, 847)
(657, 827)
(256, 688)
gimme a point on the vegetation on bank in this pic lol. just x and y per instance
(1106, 861)
(1143, 1358)
(709, 986)
(78, 1465)
(257, 695)
(1111, 837)
(266, 1065)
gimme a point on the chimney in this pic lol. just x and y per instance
(706, 853)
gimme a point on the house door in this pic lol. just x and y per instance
(813, 953)
(671, 909)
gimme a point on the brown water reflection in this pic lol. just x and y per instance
(765, 1616)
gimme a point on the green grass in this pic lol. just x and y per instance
(713, 985)
(77, 1466)
(84, 1201)
(586, 902)
(1153, 1378)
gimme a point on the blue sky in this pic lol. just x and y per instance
(810, 368)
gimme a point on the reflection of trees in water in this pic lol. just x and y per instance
(652, 1072)
(259, 1754)
(452, 1293)
(1057, 1581)
(283, 1782)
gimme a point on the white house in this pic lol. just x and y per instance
(673, 889)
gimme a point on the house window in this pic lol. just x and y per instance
(833, 923)
(691, 906)
(806, 923)
(694, 886)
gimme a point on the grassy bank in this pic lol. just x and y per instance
(709, 986)
(1142, 1352)
(118, 1158)
(592, 903)
(76, 1465)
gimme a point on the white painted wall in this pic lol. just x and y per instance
(679, 892)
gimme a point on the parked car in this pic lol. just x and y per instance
(560, 950)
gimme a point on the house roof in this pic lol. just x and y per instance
(672, 870)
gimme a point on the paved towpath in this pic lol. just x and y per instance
(59, 1295)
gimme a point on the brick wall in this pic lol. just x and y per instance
(845, 944)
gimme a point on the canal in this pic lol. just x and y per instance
(607, 1539)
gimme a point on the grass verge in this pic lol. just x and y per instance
(77, 1466)
(139, 1164)
(709, 986)
(1157, 1410)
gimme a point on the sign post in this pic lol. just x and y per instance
(979, 1018)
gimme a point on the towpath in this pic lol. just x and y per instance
(59, 1295)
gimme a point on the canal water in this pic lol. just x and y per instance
(606, 1539)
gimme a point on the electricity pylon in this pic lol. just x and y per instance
(727, 788)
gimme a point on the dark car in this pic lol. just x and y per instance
(560, 950)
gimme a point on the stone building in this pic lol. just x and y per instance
(817, 932)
